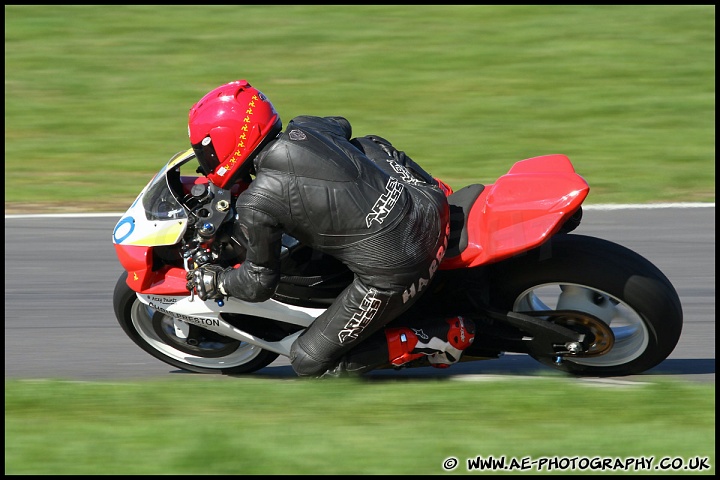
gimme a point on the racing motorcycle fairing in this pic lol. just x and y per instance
(185, 310)
(521, 210)
(159, 218)
(156, 218)
(143, 277)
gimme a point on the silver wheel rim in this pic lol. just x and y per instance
(631, 333)
(142, 319)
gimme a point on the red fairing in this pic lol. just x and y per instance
(521, 210)
(137, 261)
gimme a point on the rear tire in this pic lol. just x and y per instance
(607, 280)
(153, 332)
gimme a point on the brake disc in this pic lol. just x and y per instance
(599, 338)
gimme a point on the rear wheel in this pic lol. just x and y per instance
(634, 315)
(180, 344)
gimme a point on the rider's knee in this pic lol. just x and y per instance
(304, 363)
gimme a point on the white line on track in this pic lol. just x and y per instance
(609, 206)
(587, 381)
(621, 206)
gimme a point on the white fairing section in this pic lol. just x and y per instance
(192, 310)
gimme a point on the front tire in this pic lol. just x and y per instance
(614, 284)
(162, 337)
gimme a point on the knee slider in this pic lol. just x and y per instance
(304, 364)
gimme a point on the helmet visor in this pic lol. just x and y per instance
(206, 156)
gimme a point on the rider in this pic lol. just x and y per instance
(359, 200)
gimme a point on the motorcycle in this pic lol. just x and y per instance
(582, 305)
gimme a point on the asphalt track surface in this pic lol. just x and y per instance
(60, 272)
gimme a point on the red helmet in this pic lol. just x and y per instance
(227, 127)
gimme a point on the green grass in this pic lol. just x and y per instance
(96, 97)
(369, 426)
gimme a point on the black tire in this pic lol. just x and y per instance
(216, 354)
(604, 279)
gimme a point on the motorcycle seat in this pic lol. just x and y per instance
(460, 203)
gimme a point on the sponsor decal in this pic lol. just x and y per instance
(420, 334)
(297, 135)
(165, 300)
(404, 173)
(386, 202)
(124, 229)
(462, 332)
(211, 322)
(422, 282)
(368, 309)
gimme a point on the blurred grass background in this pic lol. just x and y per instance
(96, 97)
(197, 426)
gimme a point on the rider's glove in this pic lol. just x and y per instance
(207, 282)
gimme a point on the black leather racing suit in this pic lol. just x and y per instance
(361, 201)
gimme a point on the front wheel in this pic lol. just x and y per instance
(170, 340)
(637, 310)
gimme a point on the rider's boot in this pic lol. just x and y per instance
(443, 343)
